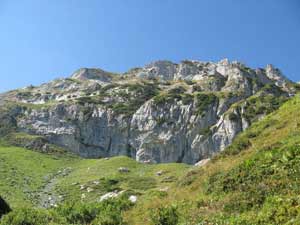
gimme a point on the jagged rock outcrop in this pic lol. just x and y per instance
(164, 112)
(92, 74)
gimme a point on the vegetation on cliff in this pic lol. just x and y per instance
(254, 181)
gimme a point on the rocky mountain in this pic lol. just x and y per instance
(163, 112)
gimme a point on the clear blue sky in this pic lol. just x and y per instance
(44, 39)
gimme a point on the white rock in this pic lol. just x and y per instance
(159, 173)
(96, 182)
(89, 189)
(109, 195)
(202, 162)
(132, 198)
(165, 189)
(123, 170)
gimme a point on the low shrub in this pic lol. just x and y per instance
(171, 95)
(78, 213)
(108, 212)
(30, 216)
(165, 215)
(111, 215)
(239, 144)
(233, 117)
(203, 101)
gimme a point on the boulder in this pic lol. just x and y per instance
(123, 170)
(132, 198)
(159, 173)
(109, 195)
(202, 162)
(4, 207)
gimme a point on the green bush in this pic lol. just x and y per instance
(78, 213)
(171, 95)
(203, 101)
(24, 94)
(133, 96)
(245, 201)
(189, 178)
(187, 99)
(241, 143)
(233, 117)
(297, 87)
(262, 105)
(109, 216)
(165, 215)
(205, 131)
(90, 100)
(122, 108)
(280, 210)
(102, 213)
(108, 212)
(189, 82)
(111, 211)
(255, 183)
(30, 216)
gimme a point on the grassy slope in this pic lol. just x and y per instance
(23, 172)
(255, 181)
(139, 180)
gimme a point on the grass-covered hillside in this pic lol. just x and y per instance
(32, 181)
(256, 180)
(23, 173)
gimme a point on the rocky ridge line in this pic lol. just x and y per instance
(163, 112)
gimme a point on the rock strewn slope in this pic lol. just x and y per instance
(164, 112)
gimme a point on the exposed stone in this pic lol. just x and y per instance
(159, 173)
(123, 170)
(202, 162)
(132, 198)
(96, 182)
(89, 189)
(109, 195)
(164, 189)
(167, 127)
(92, 74)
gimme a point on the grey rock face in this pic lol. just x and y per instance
(97, 134)
(164, 112)
(92, 74)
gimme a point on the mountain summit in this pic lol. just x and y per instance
(163, 112)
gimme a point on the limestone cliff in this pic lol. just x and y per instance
(163, 112)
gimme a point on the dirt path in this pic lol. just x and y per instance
(47, 195)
